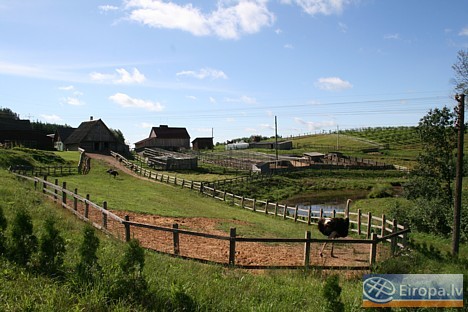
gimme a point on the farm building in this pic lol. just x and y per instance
(60, 136)
(283, 145)
(16, 132)
(165, 137)
(94, 136)
(202, 144)
(237, 146)
(166, 160)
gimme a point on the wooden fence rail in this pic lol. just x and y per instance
(361, 223)
(100, 217)
(44, 170)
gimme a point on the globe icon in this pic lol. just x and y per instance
(378, 289)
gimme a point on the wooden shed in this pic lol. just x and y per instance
(202, 144)
(93, 136)
(60, 136)
(165, 137)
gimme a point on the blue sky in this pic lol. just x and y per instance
(230, 66)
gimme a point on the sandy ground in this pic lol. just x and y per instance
(247, 253)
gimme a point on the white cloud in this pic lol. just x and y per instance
(311, 125)
(463, 32)
(191, 97)
(127, 102)
(333, 84)
(243, 99)
(74, 101)
(278, 31)
(145, 125)
(108, 8)
(288, 46)
(325, 7)
(395, 36)
(212, 100)
(51, 118)
(122, 76)
(67, 88)
(227, 22)
(204, 73)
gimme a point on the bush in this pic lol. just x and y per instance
(331, 291)
(3, 226)
(381, 191)
(88, 268)
(51, 249)
(23, 241)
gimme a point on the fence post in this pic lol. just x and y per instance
(373, 249)
(35, 184)
(64, 195)
(369, 224)
(232, 246)
(309, 215)
(127, 228)
(295, 212)
(307, 250)
(276, 209)
(86, 207)
(242, 201)
(321, 213)
(266, 207)
(254, 204)
(334, 213)
(384, 221)
(214, 191)
(359, 214)
(104, 215)
(224, 195)
(394, 238)
(55, 190)
(75, 200)
(285, 211)
(44, 185)
(175, 235)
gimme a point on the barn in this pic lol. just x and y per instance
(165, 137)
(94, 137)
(60, 136)
(202, 144)
(16, 132)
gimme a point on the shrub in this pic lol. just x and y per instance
(88, 268)
(381, 191)
(3, 226)
(23, 241)
(331, 291)
(51, 249)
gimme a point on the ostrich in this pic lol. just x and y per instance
(112, 172)
(334, 227)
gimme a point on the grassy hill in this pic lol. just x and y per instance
(175, 284)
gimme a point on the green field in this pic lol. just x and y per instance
(184, 285)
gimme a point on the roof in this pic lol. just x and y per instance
(7, 124)
(63, 133)
(82, 131)
(207, 139)
(165, 132)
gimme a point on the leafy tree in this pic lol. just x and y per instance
(430, 183)
(8, 114)
(460, 69)
(118, 135)
(23, 241)
(51, 249)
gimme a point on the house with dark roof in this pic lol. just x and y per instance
(94, 137)
(16, 132)
(165, 137)
(60, 136)
(202, 143)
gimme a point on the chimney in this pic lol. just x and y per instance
(91, 118)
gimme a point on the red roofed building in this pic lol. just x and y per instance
(165, 137)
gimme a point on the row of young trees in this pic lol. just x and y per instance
(45, 255)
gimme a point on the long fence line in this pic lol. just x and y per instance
(122, 228)
(361, 222)
(45, 170)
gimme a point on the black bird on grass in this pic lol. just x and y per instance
(112, 172)
(334, 227)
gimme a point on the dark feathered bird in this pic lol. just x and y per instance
(334, 227)
(112, 172)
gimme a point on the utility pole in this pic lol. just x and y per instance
(276, 139)
(459, 174)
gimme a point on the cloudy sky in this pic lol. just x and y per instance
(229, 66)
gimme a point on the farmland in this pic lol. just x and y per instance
(178, 283)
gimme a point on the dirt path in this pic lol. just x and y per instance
(253, 254)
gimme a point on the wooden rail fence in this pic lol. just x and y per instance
(361, 223)
(122, 228)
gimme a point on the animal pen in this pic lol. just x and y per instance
(231, 249)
